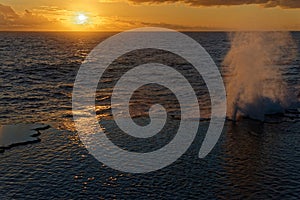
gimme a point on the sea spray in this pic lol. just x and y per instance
(255, 85)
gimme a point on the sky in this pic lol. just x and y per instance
(119, 15)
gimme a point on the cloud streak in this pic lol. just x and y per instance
(136, 24)
(264, 3)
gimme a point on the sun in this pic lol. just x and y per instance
(81, 18)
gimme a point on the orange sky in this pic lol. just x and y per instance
(116, 15)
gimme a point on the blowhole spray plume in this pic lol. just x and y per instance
(255, 85)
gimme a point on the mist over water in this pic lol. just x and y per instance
(255, 85)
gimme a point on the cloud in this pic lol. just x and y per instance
(264, 3)
(134, 24)
(9, 19)
(50, 8)
(7, 15)
(7, 12)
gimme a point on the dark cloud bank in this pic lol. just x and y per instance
(264, 3)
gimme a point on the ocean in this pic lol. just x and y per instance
(252, 159)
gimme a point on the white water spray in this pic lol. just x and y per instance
(255, 86)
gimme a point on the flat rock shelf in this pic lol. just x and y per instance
(18, 134)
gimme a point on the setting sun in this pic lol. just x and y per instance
(81, 18)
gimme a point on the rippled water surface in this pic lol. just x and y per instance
(251, 160)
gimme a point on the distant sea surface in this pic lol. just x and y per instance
(251, 160)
